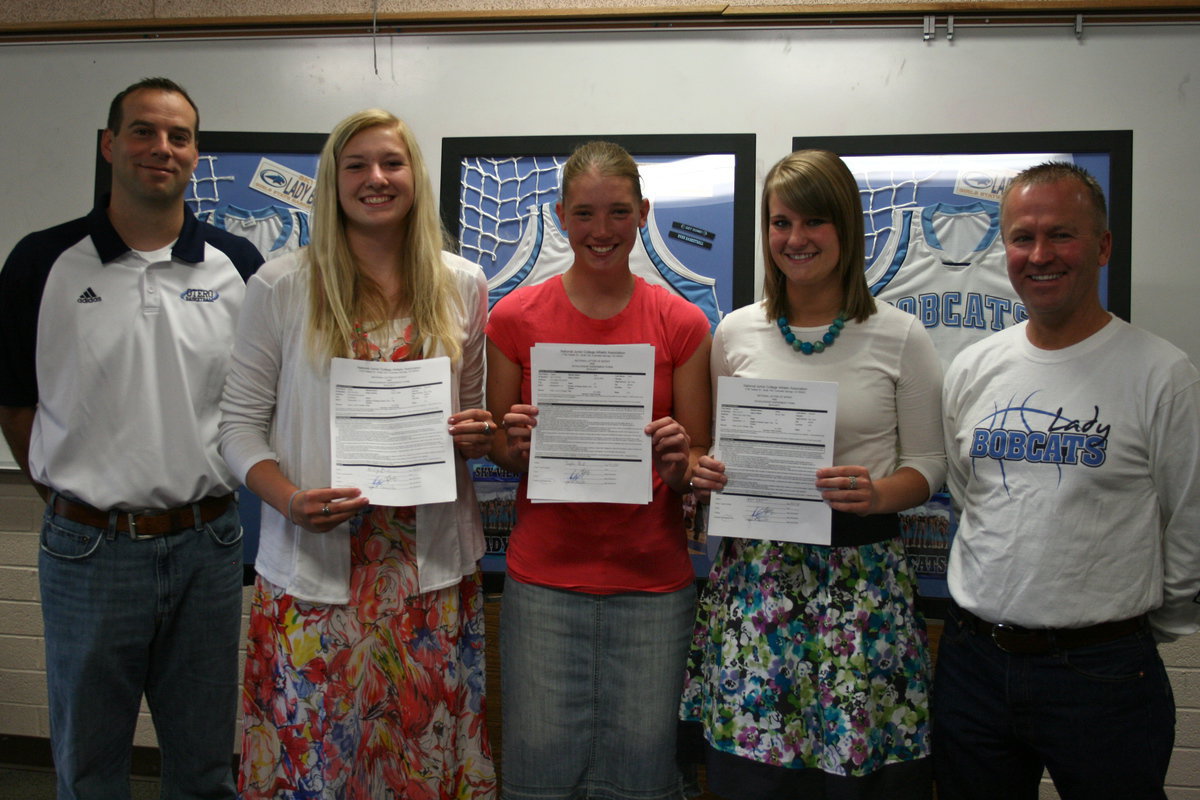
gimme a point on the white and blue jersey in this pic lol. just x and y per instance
(274, 230)
(945, 264)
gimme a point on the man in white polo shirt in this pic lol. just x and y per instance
(115, 331)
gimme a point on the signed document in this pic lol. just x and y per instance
(594, 402)
(773, 436)
(389, 431)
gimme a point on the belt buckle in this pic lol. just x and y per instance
(133, 531)
(1001, 629)
(132, 519)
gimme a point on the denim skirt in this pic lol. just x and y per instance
(590, 692)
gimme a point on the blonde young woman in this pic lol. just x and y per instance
(809, 669)
(599, 596)
(364, 673)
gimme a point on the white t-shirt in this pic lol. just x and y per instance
(1078, 474)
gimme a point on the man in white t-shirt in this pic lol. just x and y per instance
(115, 332)
(1074, 449)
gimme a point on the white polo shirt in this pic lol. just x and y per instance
(124, 358)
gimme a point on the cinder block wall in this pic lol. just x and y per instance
(23, 669)
(23, 710)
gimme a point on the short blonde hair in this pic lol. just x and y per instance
(1054, 171)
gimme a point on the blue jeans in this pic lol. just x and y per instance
(590, 692)
(159, 616)
(1100, 719)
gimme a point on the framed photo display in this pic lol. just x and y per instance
(498, 196)
(933, 248)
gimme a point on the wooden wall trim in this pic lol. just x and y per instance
(33, 20)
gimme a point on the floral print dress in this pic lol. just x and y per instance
(380, 698)
(806, 656)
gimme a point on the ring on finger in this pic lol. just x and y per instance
(487, 428)
(326, 510)
(853, 482)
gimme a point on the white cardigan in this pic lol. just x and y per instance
(276, 406)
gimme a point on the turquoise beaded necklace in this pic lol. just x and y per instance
(808, 348)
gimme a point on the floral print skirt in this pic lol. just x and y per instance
(806, 656)
(379, 698)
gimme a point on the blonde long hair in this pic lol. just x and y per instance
(340, 295)
(816, 183)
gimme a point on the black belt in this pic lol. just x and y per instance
(851, 530)
(144, 524)
(1034, 641)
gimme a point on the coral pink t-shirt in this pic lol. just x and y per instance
(601, 548)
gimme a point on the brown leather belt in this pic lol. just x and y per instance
(1034, 641)
(144, 524)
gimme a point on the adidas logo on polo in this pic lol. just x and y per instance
(88, 296)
